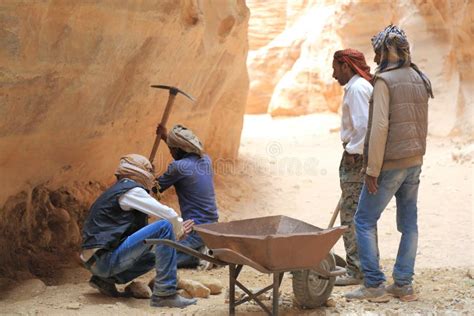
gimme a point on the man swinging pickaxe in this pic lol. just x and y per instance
(173, 91)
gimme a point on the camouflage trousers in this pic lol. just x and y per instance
(351, 182)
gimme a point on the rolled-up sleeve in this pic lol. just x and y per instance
(379, 129)
(170, 177)
(138, 199)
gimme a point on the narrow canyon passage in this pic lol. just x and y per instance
(75, 96)
(289, 166)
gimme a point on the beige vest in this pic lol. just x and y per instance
(408, 114)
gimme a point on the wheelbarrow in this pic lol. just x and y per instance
(271, 245)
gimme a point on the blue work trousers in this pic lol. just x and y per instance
(192, 241)
(134, 258)
(403, 184)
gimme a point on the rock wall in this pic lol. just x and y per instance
(75, 93)
(75, 82)
(291, 74)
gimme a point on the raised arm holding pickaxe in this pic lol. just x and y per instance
(192, 176)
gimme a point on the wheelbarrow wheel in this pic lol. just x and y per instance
(312, 290)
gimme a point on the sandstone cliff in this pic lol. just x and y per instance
(75, 95)
(75, 77)
(290, 71)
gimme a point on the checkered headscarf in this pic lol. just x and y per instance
(390, 31)
(392, 44)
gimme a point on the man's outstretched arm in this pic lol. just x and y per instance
(138, 199)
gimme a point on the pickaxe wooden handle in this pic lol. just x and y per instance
(335, 213)
(340, 262)
(173, 91)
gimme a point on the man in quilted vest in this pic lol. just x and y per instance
(113, 249)
(393, 155)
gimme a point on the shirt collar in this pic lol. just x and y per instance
(351, 82)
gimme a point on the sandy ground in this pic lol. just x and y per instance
(290, 167)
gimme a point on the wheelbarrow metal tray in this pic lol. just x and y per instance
(271, 243)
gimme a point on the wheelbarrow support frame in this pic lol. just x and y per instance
(234, 271)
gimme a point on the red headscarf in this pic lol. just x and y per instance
(355, 60)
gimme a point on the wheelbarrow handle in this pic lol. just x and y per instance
(338, 271)
(184, 249)
(233, 257)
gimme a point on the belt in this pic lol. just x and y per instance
(353, 155)
(346, 153)
(96, 256)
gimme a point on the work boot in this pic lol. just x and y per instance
(174, 300)
(404, 292)
(105, 286)
(347, 279)
(372, 294)
(205, 265)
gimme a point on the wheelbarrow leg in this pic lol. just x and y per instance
(277, 278)
(231, 289)
(234, 271)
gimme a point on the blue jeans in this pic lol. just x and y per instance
(192, 241)
(134, 258)
(403, 183)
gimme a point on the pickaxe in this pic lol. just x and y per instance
(173, 91)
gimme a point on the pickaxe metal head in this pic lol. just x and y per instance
(174, 91)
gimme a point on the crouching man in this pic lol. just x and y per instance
(117, 225)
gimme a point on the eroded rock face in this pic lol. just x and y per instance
(290, 74)
(291, 71)
(75, 83)
(75, 96)
(42, 228)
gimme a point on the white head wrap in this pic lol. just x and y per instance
(138, 168)
(184, 139)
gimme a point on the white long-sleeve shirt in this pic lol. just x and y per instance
(355, 113)
(138, 199)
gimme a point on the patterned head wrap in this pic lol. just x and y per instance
(355, 60)
(137, 168)
(390, 31)
(184, 139)
(392, 44)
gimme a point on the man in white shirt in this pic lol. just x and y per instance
(351, 71)
(117, 225)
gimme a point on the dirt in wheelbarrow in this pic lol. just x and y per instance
(290, 167)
